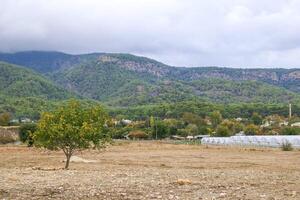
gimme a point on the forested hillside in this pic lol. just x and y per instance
(25, 92)
(124, 80)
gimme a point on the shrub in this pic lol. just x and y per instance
(137, 134)
(26, 133)
(222, 131)
(290, 131)
(159, 130)
(286, 146)
(5, 118)
(119, 133)
(252, 129)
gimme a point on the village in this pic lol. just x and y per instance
(213, 129)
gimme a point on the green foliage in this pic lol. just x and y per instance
(252, 129)
(290, 131)
(26, 133)
(216, 118)
(120, 132)
(145, 86)
(233, 126)
(138, 87)
(286, 146)
(192, 129)
(16, 81)
(127, 80)
(204, 130)
(256, 119)
(72, 127)
(25, 93)
(5, 118)
(159, 130)
(191, 118)
(222, 131)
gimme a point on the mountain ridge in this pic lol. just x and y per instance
(129, 80)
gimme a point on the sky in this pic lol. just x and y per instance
(190, 33)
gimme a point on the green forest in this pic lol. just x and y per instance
(137, 88)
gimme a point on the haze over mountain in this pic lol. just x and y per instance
(247, 33)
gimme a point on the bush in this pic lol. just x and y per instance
(120, 133)
(286, 146)
(222, 131)
(26, 133)
(137, 135)
(159, 130)
(290, 131)
(252, 129)
(5, 118)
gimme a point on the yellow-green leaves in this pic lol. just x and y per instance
(72, 126)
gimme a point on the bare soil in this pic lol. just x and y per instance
(151, 170)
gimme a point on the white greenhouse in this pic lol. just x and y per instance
(263, 141)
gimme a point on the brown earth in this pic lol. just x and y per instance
(151, 170)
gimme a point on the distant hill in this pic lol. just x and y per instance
(23, 90)
(45, 62)
(128, 80)
(16, 81)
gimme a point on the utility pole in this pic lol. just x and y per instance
(156, 128)
(290, 111)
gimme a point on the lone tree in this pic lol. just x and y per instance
(72, 127)
(216, 118)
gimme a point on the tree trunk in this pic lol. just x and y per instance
(68, 152)
(67, 161)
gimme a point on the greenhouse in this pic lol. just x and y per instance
(263, 141)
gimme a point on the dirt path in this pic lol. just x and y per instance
(151, 170)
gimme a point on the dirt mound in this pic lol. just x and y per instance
(77, 159)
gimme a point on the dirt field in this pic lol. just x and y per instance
(151, 170)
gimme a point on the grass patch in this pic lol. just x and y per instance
(286, 146)
(189, 142)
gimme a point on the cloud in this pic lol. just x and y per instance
(236, 33)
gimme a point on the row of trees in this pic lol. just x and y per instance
(191, 124)
(76, 126)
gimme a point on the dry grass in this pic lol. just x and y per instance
(151, 170)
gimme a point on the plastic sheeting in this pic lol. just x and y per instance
(263, 141)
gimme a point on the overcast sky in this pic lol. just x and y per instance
(233, 33)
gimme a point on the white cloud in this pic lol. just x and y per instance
(235, 33)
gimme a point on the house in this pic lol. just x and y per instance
(14, 121)
(296, 124)
(176, 137)
(26, 120)
(238, 119)
(284, 123)
(126, 121)
(266, 124)
(190, 137)
(241, 133)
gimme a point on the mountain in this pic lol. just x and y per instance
(17, 81)
(49, 62)
(23, 90)
(45, 61)
(128, 80)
